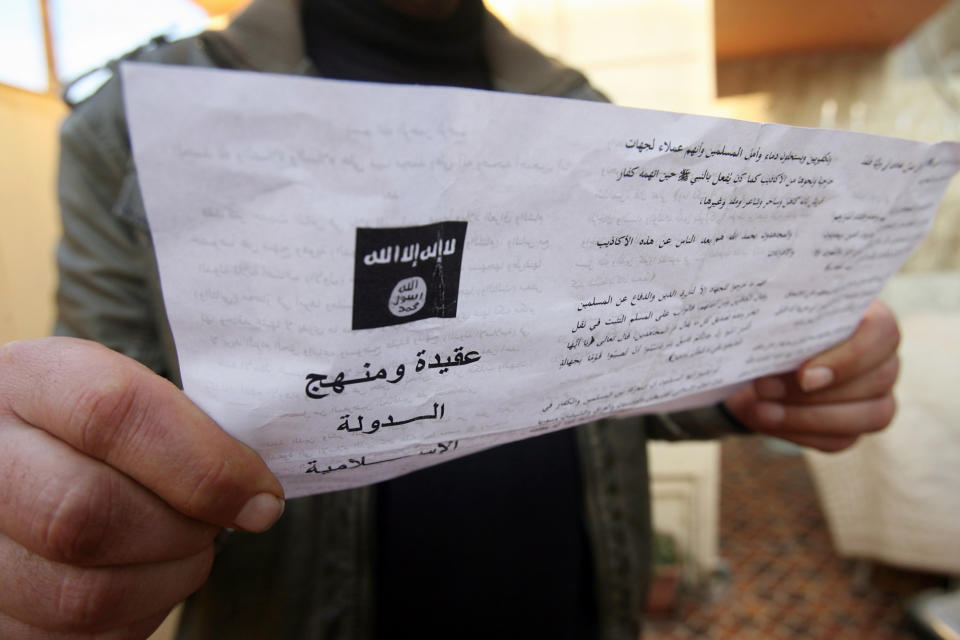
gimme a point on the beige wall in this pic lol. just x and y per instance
(655, 54)
(29, 222)
(751, 28)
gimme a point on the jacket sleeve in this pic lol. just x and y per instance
(694, 424)
(108, 291)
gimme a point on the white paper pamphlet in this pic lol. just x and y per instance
(365, 279)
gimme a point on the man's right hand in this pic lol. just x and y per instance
(113, 486)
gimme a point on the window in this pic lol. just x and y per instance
(23, 60)
(89, 33)
(86, 34)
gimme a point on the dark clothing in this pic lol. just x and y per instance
(492, 545)
(364, 40)
(500, 531)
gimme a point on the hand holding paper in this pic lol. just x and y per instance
(833, 398)
(113, 488)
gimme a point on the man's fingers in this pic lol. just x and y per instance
(772, 418)
(827, 444)
(13, 628)
(113, 409)
(63, 598)
(874, 341)
(872, 384)
(835, 396)
(67, 507)
(840, 419)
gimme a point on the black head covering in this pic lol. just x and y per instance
(366, 40)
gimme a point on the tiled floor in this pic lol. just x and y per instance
(785, 581)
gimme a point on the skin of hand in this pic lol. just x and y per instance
(113, 486)
(836, 396)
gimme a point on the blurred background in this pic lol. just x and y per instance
(755, 539)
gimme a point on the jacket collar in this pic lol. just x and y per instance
(266, 36)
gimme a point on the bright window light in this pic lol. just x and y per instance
(89, 33)
(23, 60)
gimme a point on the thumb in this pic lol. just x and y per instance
(114, 409)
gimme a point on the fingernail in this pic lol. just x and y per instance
(260, 512)
(816, 378)
(771, 388)
(770, 412)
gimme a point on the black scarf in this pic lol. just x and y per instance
(365, 40)
(494, 544)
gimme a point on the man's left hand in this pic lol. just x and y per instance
(836, 396)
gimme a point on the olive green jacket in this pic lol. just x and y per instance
(311, 576)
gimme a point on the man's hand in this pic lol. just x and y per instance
(113, 486)
(835, 397)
